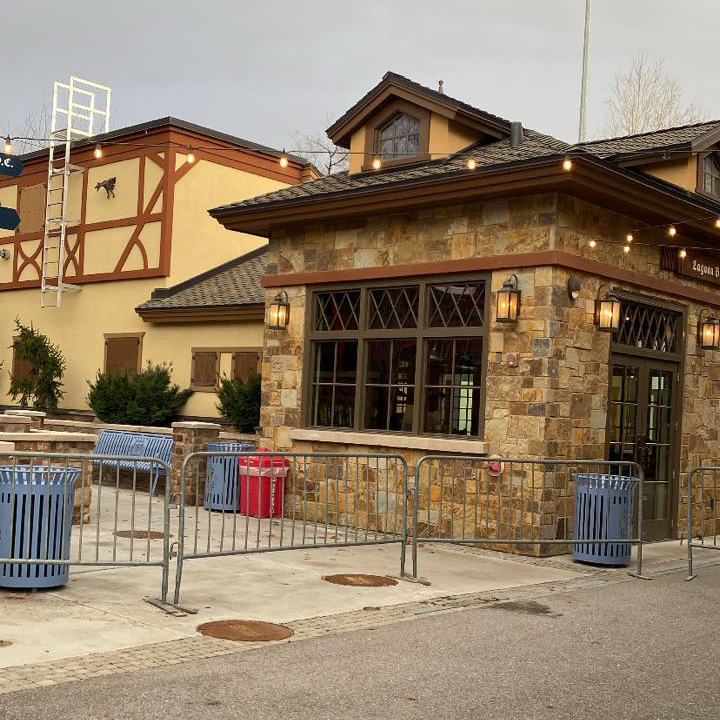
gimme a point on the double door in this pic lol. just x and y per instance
(642, 428)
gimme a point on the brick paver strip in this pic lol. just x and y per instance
(172, 652)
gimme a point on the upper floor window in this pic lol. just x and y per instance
(711, 175)
(399, 138)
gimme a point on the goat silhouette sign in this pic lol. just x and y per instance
(10, 165)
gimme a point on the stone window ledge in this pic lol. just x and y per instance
(402, 442)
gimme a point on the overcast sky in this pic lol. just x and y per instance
(261, 70)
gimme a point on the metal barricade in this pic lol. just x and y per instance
(510, 502)
(115, 522)
(294, 500)
(702, 511)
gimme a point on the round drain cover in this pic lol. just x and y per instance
(5, 643)
(245, 630)
(360, 580)
(141, 534)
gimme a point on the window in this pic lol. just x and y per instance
(399, 138)
(399, 358)
(205, 372)
(123, 352)
(711, 175)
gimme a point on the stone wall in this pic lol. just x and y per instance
(547, 375)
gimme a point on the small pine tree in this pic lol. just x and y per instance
(148, 397)
(239, 402)
(44, 367)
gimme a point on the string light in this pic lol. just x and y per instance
(190, 155)
(672, 231)
(626, 249)
(283, 159)
(471, 164)
(97, 152)
(717, 222)
(8, 145)
(376, 163)
(567, 164)
(683, 254)
(592, 243)
(629, 237)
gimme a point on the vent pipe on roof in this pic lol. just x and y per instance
(440, 87)
(516, 133)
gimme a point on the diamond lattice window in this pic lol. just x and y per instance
(337, 310)
(393, 308)
(648, 328)
(457, 305)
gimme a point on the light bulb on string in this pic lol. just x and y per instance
(190, 155)
(283, 159)
(629, 237)
(471, 164)
(98, 153)
(683, 253)
(626, 249)
(592, 243)
(717, 222)
(567, 164)
(376, 163)
(8, 145)
(672, 231)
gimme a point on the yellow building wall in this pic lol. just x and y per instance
(197, 238)
(357, 148)
(681, 172)
(447, 137)
(78, 327)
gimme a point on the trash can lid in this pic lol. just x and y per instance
(269, 458)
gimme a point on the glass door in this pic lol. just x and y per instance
(641, 428)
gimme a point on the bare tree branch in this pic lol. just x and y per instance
(35, 124)
(646, 97)
(318, 149)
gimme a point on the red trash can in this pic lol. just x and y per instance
(262, 481)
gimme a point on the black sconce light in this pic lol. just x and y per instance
(279, 312)
(708, 331)
(573, 287)
(607, 312)
(508, 301)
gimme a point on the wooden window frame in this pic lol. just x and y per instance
(700, 173)
(381, 119)
(231, 350)
(421, 334)
(111, 336)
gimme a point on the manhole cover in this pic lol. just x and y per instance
(245, 630)
(360, 580)
(5, 643)
(141, 534)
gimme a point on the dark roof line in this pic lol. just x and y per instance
(174, 122)
(648, 133)
(164, 293)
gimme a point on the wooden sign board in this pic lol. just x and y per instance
(699, 264)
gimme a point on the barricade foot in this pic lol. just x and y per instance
(690, 577)
(170, 609)
(639, 576)
(411, 579)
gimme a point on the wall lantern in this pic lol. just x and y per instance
(708, 332)
(279, 312)
(607, 312)
(508, 301)
(573, 287)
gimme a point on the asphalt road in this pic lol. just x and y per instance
(640, 650)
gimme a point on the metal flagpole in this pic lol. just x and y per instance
(582, 130)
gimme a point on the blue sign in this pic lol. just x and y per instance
(9, 219)
(10, 165)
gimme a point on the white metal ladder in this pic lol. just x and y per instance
(84, 106)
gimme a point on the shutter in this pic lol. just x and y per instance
(122, 354)
(246, 363)
(21, 369)
(205, 369)
(31, 208)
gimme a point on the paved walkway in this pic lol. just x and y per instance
(607, 646)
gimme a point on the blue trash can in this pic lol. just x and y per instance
(36, 506)
(603, 510)
(222, 491)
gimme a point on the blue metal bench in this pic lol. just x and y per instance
(135, 445)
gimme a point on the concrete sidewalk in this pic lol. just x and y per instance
(102, 610)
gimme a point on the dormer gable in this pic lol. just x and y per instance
(401, 122)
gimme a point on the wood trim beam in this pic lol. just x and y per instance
(498, 262)
(246, 313)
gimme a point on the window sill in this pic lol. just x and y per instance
(402, 442)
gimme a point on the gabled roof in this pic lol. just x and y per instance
(682, 137)
(231, 285)
(147, 127)
(394, 80)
